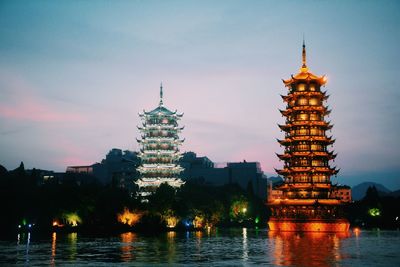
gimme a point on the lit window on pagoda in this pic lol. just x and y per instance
(314, 101)
(301, 87)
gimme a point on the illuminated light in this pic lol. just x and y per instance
(19, 226)
(257, 220)
(171, 221)
(129, 218)
(198, 221)
(238, 209)
(374, 212)
(29, 225)
(356, 231)
(72, 219)
(310, 226)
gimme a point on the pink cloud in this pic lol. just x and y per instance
(72, 154)
(33, 111)
(22, 102)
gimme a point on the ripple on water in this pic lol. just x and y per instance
(229, 247)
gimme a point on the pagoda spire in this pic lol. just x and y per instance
(304, 57)
(161, 95)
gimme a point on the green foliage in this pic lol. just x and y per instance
(95, 207)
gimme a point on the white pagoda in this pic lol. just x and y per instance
(159, 149)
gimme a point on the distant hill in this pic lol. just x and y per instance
(395, 193)
(3, 170)
(358, 191)
(275, 180)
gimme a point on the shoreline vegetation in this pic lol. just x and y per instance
(28, 204)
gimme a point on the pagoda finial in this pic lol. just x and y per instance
(161, 95)
(304, 65)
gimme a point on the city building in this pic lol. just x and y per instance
(203, 170)
(118, 168)
(306, 201)
(159, 149)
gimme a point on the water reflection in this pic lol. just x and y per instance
(171, 235)
(72, 237)
(20, 241)
(127, 247)
(28, 241)
(306, 249)
(53, 249)
(245, 248)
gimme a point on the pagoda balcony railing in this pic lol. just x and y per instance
(159, 138)
(311, 138)
(307, 150)
(159, 135)
(304, 133)
(309, 153)
(150, 172)
(159, 158)
(159, 124)
(160, 151)
(149, 148)
(156, 141)
(308, 93)
(159, 161)
(160, 128)
(288, 169)
(295, 122)
(159, 165)
(159, 174)
(309, 123)
(309, 107)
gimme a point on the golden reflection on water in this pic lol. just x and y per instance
(127, 240)
(53, 249)
(310, 249)
(171, 235)
(73, 238)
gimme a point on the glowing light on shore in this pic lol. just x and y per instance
(72, 219)
(56, 223)
(171, 221)
(128, 217)
(374, 212)
(198, 221)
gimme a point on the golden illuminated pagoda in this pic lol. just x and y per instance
(307, 200)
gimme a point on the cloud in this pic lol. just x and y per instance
(20, 101)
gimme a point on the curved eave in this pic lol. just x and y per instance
(305, 76)
(284, 127)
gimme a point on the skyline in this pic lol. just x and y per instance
(75, 75)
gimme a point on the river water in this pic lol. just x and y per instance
(215, 247)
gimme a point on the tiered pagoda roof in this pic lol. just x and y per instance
(306, 154)
(159, 148)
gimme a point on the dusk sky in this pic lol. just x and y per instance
(75, 74)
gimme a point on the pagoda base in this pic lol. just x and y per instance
(308, 225)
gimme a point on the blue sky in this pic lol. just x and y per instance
(75, 74)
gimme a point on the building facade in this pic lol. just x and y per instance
(159, 149)
(305, 201)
